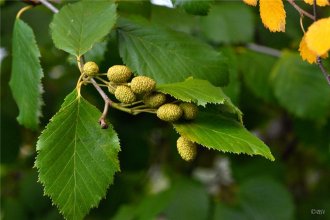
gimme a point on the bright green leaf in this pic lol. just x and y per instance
(76, 158)
(78, 26)
(217, 132)
(301, 87)
(195, 7)
(25, 82)
(263, 198)
(228, 22)
(198, 91)
(166, 55)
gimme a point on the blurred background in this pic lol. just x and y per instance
(285, 101)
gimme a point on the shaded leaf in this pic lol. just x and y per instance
(195, 7)
(233, 88)
(185, 199)
(223, 211)
(217, 132)
(263, 198)
(301, 88)
(25, 82)
(257, 76)
(166, 55)
(224, 23)
(76, 158)
(78, 26)
(198, 91)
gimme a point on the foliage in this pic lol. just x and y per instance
(209, 53)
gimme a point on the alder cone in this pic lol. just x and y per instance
(90, 68)
(124, 94)
(119, 74)
(169, 112)
(190, 110)
(142, 84)
(186, 148)
(154, 100)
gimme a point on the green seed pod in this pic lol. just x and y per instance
(190, 110)
(119, 74)
(142, 84)
(124, 94)
(186, 148)
(90, 69)
(169, 112)
(154, 100)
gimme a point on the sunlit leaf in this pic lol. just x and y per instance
(198, 91)
(217, 132)
(77, 159)
(168, 56)
(317, 36)
(273, 15)
(78, 26)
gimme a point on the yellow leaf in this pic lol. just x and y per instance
(318, 2)
(308, 54)
(305, 52)
(273, 15)
(318, 36)
(251, 2)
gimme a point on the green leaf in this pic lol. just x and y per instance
(195, 7)
(228, 22)
(76, 158)
(198, 91)
(257, 76)
(184, 200)
(301, 87)
(189, 201)
(222, 211)
(25, 82)
(166, 55)
(78, 26)
(263, 198)
(217, 132)
(233, 88)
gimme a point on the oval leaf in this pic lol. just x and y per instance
(166, 55)
(301, 88)
(78, 26)
(220, 133)
(25, 82)
(76, 158)
(198, 91)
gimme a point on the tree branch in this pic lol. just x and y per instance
(300, 10)
(263, 49)
(49, 6)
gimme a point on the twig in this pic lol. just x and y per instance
(264, 49)
(49, 6)
(101, 92)
(102, 121)
(324, 71)
(23, 10)
(300, 10)
(314, 10)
